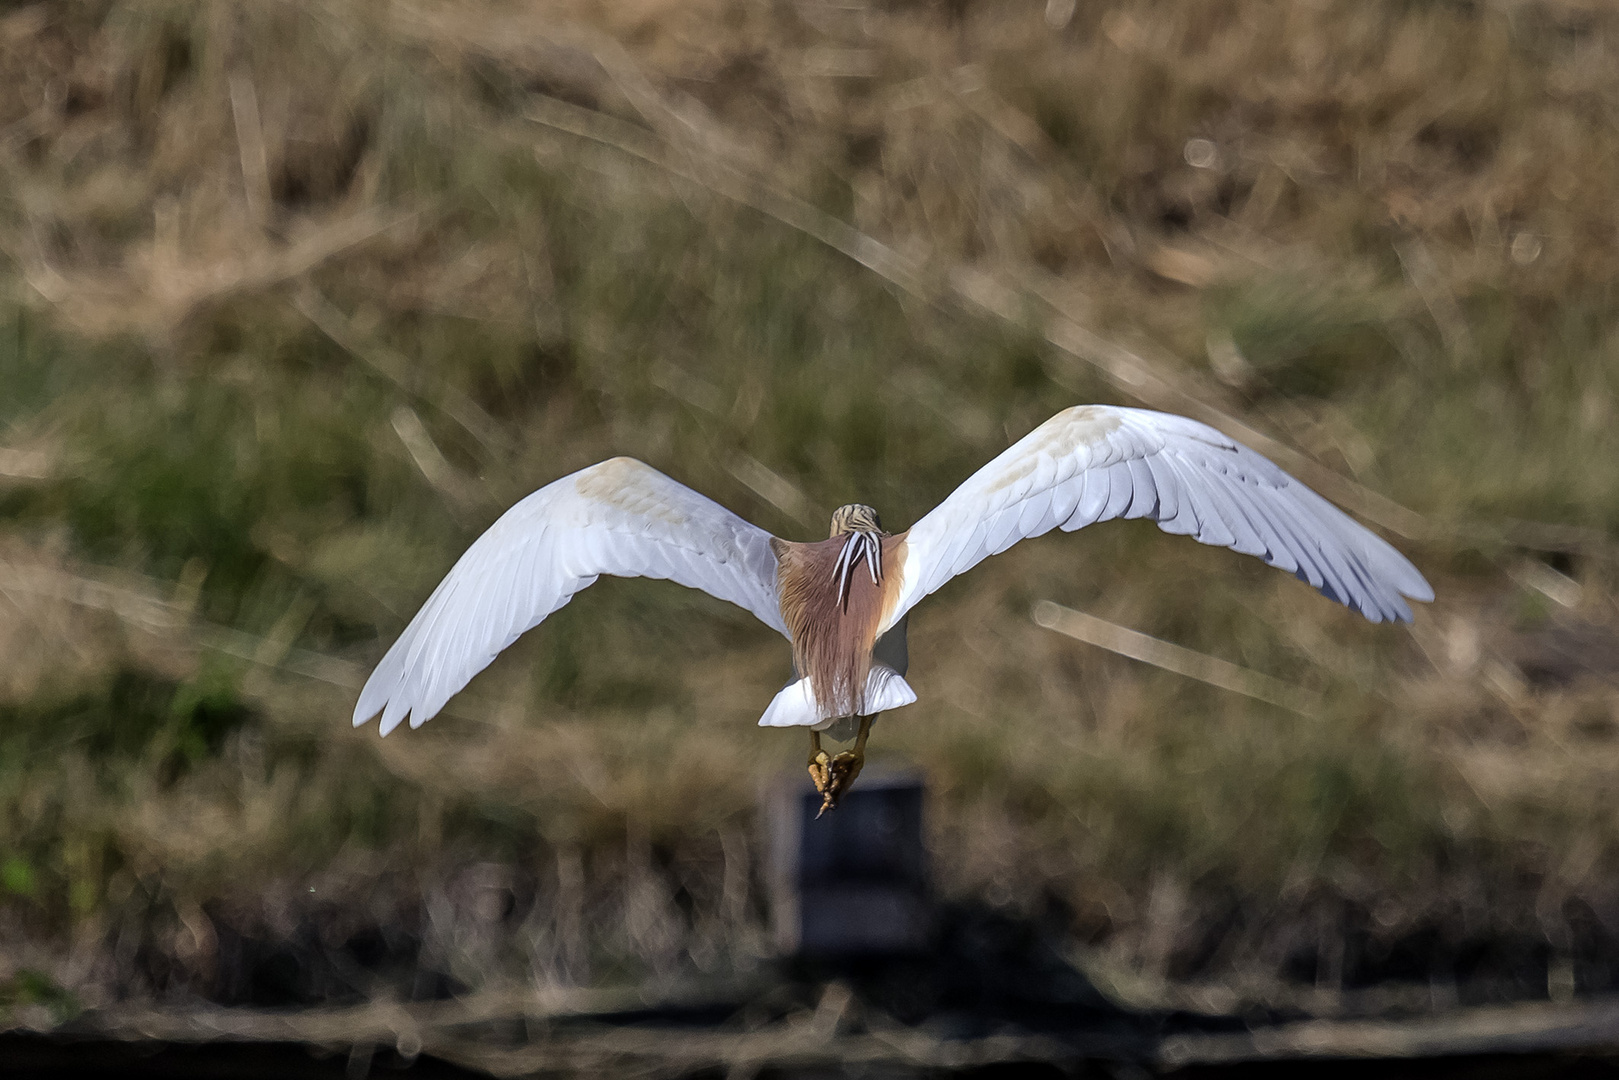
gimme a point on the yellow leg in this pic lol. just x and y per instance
(860, 740)
(833, 776)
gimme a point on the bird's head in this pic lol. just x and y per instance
(855, 518)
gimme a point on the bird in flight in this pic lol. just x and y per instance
(842, 602)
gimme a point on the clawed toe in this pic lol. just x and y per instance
(834, 775)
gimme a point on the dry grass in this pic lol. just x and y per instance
(301, 295)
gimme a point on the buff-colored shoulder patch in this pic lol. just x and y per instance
(1082, 425)
(630, 485)
(895, 552)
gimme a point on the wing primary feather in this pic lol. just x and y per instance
(1379, 555)
(1308, 568)
(1215, 517)
(392, 715)
(1384, 602)
(1247, 498)
(1119, 491)
(1177, 510)
(1386, 596)
(1036, 517)
(1171, 492)
(1324, 547)
(1003, 530)
(1198, 503)
(1145, 496)
(1092, 500)
(1065, 498)
(966, 553)
(1216, 491)
(418, 638)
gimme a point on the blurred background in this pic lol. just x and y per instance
(298, 297)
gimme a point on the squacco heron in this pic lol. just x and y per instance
(842, 602)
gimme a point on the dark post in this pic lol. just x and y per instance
(854, 881)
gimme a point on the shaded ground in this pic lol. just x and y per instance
(991, 1000)
(34, 1056)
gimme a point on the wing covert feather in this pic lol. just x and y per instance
(621, 518)
(1094, 463)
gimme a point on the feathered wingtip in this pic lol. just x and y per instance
(383, 693)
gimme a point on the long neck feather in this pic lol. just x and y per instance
(859, 545)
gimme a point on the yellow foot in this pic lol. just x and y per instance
(834, 775)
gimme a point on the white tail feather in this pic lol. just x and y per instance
(795, 706)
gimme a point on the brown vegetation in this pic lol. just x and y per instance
(302, 294)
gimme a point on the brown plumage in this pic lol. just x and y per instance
(833, 606)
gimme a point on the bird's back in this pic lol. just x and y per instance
(833, 629)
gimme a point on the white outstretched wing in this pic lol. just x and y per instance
(1096, 462)
(620, 517)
